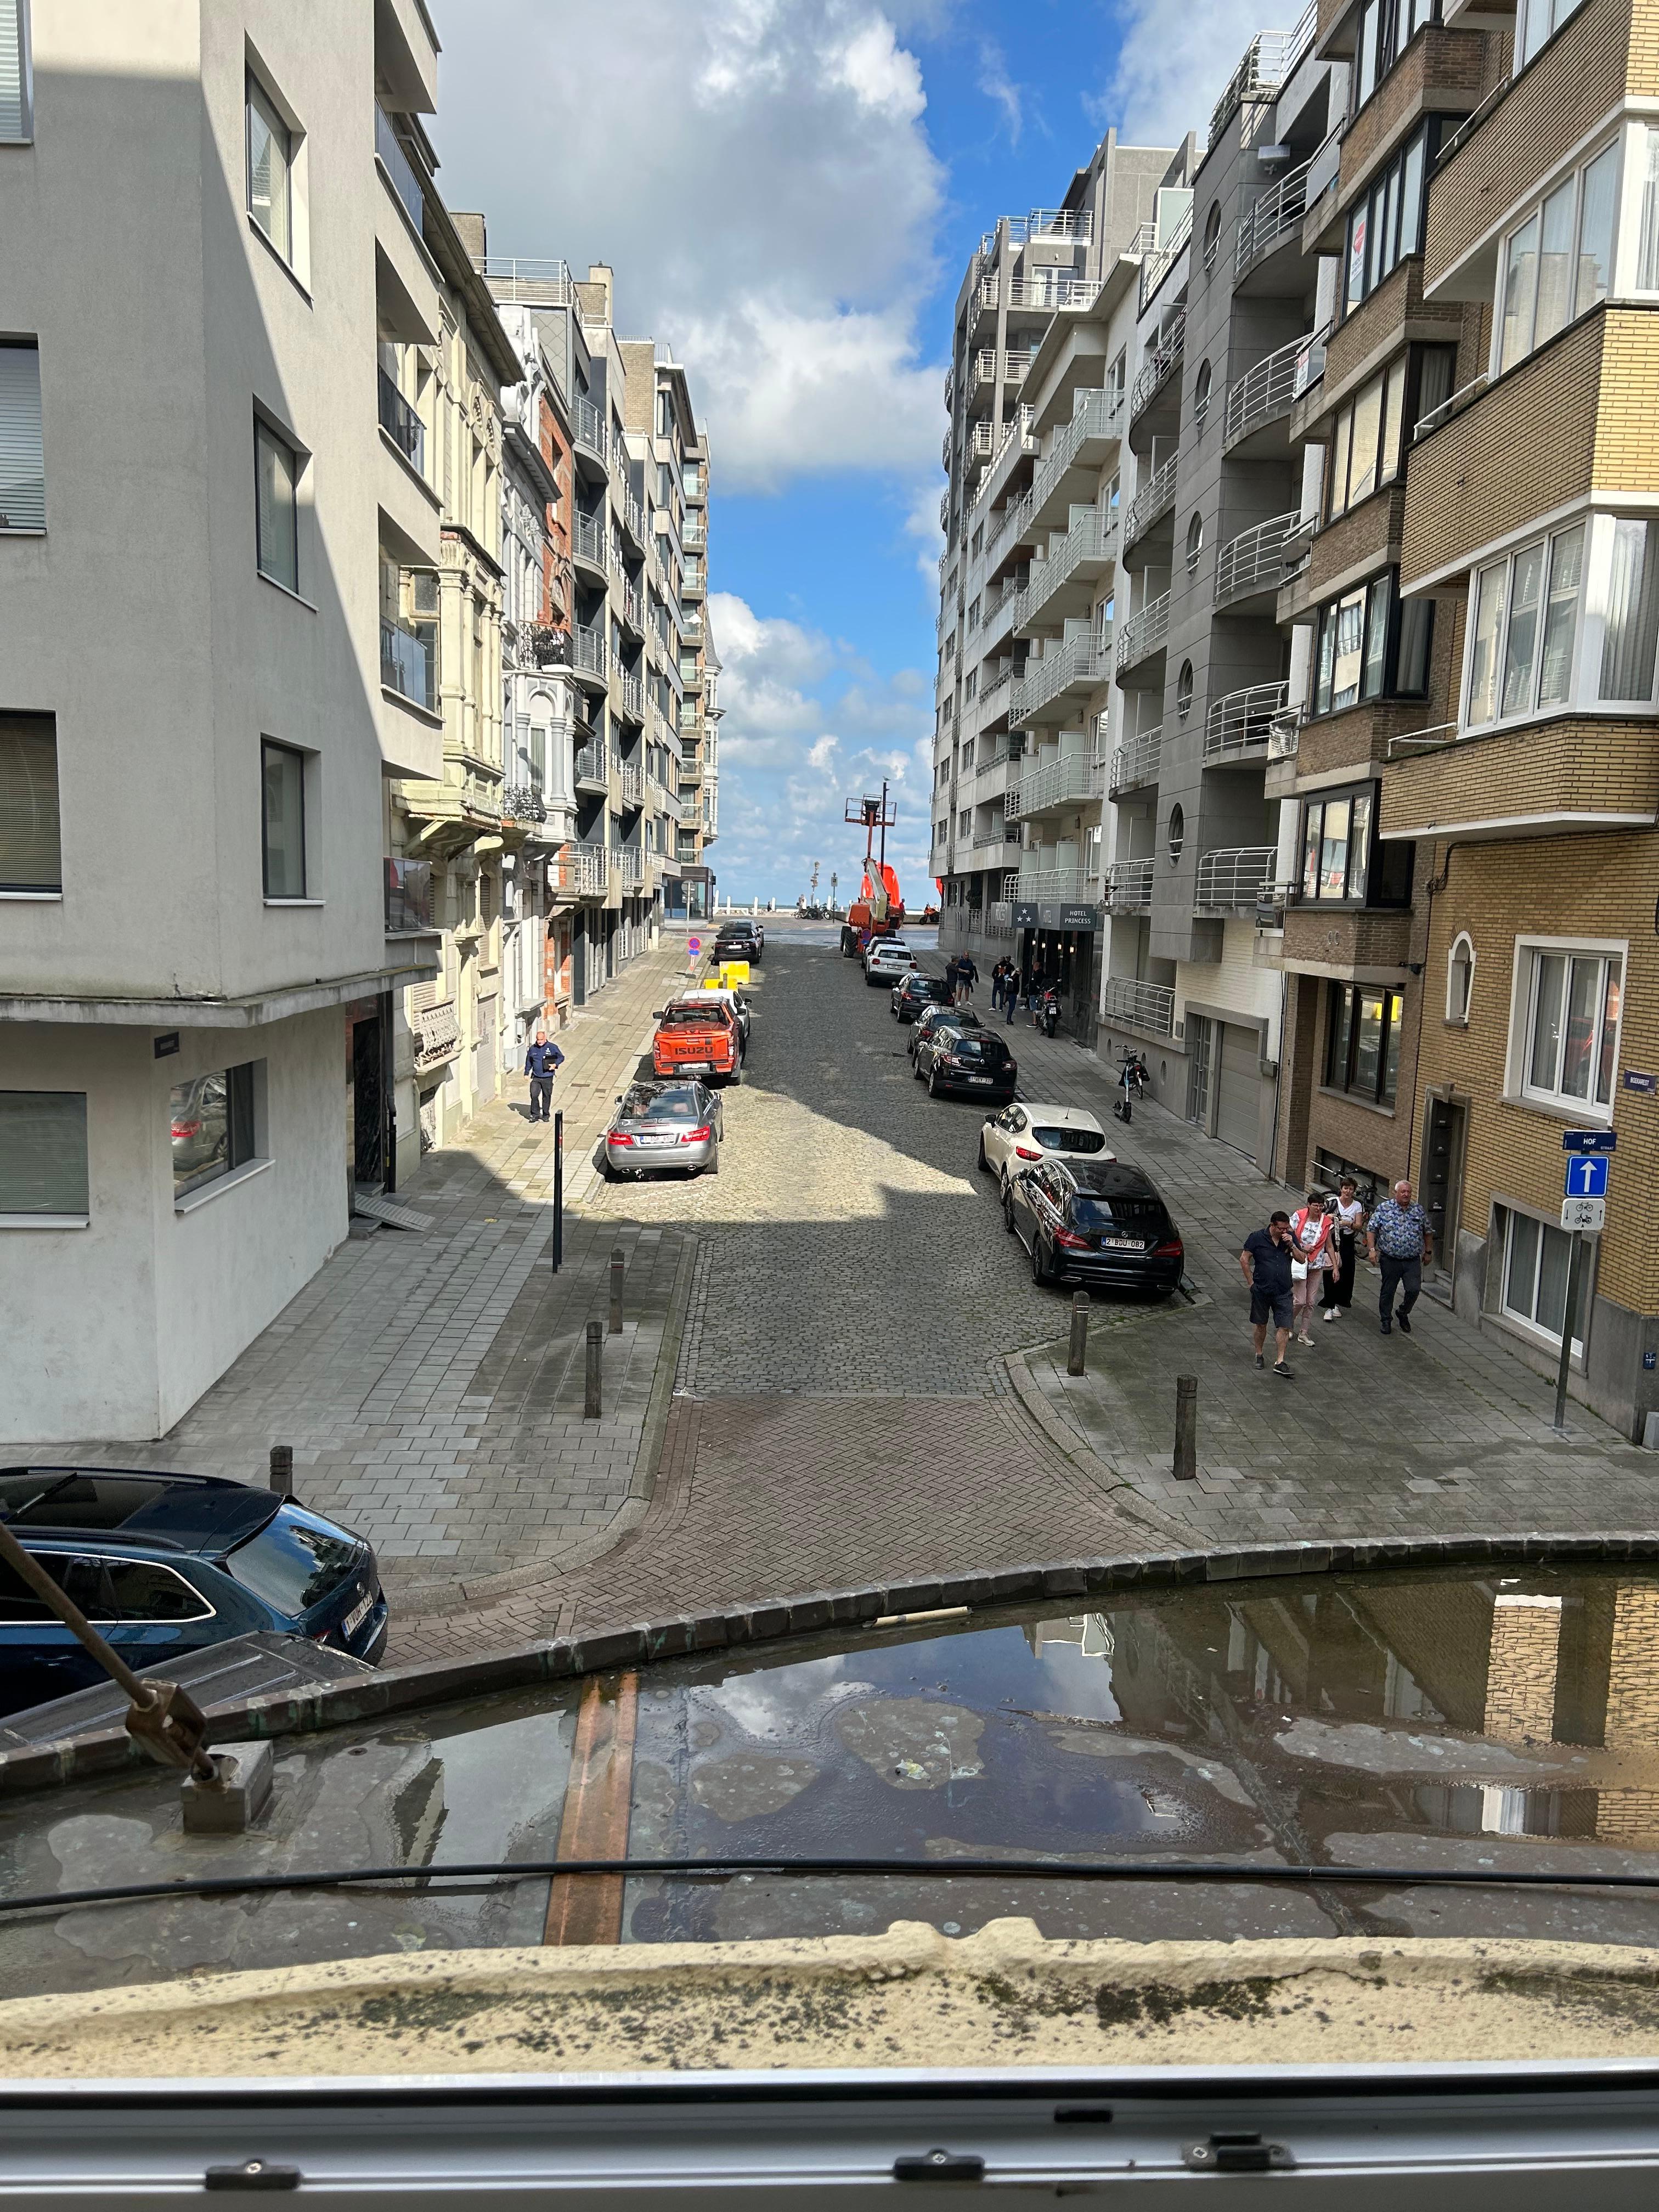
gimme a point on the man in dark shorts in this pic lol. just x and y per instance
(1265, 1264)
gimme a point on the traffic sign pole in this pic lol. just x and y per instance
(1575, 1285)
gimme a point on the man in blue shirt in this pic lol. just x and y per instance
(539, 1063)
(1398, 1238)
(1265, 1264)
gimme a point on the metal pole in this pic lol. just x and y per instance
(558, 1190)
(1575, 1285)
(595, 1368)
(617, 1268)
(282, 1469)
(1186, 1435)
(1077, 1357)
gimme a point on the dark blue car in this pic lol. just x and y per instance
(165, 1564)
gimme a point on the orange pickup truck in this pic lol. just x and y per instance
(698, 1037)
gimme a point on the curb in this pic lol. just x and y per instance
(395, 1690)
(1070, 1440)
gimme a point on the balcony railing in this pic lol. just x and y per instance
(1013, 524)
(1270, 61)
(1045, 679)
(594, 763)
(1285, 734)
(402, 424)
(627, 861)
(587, 538)
(1129, 886)
(524, 802)
(1136, 762)
(694, 535)
(1094, 415)
(1159, 366)
(408, 897)
(588, 651)
(1001, 833)
(1067, 886)
(1231, 882)
(1046, 291)
(1151, 502)
(633, 695)
(406, 178)
(995, 698)
(1073, 780)
(633, 784)
(1018, 440)
(409, 664)
(1275, 215)
(1158, 265)
(1091, 537)
(1271, 388)
(1465, 396)
(633, 519)
(1241, 722)
(986, 768)
(1138, 1006)
(588, 424)
(437, 1035)
(580, 870)
(1257, 560)
(1143, 632)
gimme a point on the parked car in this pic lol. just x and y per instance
(165, 1564)
(886, 960)
(735, 1002)
(1094, 1221)
(739, 940)
(661, 1127)
(697, 1036)
(931, 1017)
(1022, 1134)
(966, 1057)
(914, 991)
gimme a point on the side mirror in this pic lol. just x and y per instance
(656, 1013)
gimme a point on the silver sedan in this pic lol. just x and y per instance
(660, 1126)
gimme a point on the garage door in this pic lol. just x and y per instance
(1237, 1113)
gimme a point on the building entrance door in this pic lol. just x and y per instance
(1238, 1090)
(1442, 1180)
(368, 1122)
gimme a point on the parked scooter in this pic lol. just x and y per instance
(1050, 1011)
(1133, 1079)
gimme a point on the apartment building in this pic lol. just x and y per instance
(1528, 524)
(197, 1051)
(1031, 452)
(690, 894)
(1228, 303)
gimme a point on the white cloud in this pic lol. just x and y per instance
(1172, 63)
(757, 173)
(1000, 87)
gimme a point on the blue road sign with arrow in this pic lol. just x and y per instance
(1587, 1174)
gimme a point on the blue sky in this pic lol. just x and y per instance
(788, 191)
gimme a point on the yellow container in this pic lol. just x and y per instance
(733, 973)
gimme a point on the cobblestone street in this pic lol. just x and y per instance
(834, 1369)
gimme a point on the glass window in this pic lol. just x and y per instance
(1350, 635)
(1460, 980)
(1411, 651)
(1519, 277)
(30, 845)
(269, 165)
(1334, 850)
(276, 512)
(295, 1561)
(1366, 82)
(1647, 253)
(1341, 438)
(1572, 1026)
(1336, 840)
(1632, 617)
(1555, 264)
(211, 1122)
(1537, 20)
(23, 451)
(1505, 629)
(1411, 196)
(43, 1153)
(1520, 639)
(1367, 430)
(1362, 1053)
(14, 71)
(1560, 261)
(144, 1590)
(284, 821)
(1483, 659)
(1537, 1259)
(1376, 642)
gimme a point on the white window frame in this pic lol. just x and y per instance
(1459, 1015)
(1594, 601)
(1573, 175)
(1518, 1089)
(19, 11)
(1561, 12)
(1525, 1324)
(1506, 561)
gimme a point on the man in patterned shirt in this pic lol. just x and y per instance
(1398, 1238)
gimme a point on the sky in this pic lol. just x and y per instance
(788, 192)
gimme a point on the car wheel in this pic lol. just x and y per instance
(916, 1066)
(982, 1163)
(736, 1075)
(1007, 1206)
(712, 1165)
(933, 1082)
(607, 1170)
(1039, 1272)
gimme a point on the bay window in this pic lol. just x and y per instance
(1536, 21)
(1385, 226)
(1568, 1001)
(1386, 29)
(1523, 629)
(1343, 860)
(1362, 1042)
(1558, 262)
(1370, 644)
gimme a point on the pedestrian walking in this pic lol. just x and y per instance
(1265, 1264)
(1350, 1225)
(967, 976)
(1014, 993)
(997, 975)
(1314, 1230)
(540, 1063)
(1398, 1238)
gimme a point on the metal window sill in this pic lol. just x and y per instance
(220, 1184)
(296, 901)
(45, 1221)
(412, 706)
(409, 469)
(35, 898)
(286, 590)
(281, 261)
(1582, 1115)
(21, 530)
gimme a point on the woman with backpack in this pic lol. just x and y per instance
(1313, 1242)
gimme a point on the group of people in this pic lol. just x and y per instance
(1311, 1256)
(1011, 990)
(961, 974)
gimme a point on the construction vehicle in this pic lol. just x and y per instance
(878, 909)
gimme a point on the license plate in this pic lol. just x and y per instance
(982, 1079)
(654, 1140)
(1122, 1244)
(358, 1614)
(697, 1067)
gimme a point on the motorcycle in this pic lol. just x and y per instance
(1133, 1079)
(1050, 1012)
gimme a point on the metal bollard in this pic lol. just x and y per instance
(595, 1366)
(1186, 1436)
(282, 1469)
(617, 1269)
(1077, 1358)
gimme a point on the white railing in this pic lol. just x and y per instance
(1242, 720)
(1278, 211)
(1013, 524)
(587, 651)
(1129, 886)
(593, 763)
(1070, 886)
(1270, 61)
(1018, 440)
(587, 538)
(1094, 415)
(1070, 780)
(588, 424)
(1136, 760)
(1231, 882)
(980, 442)
(1465, 396)
(988, 767)
(1047, 291)
(1044, 679)
(1090, 537)
(1270, 388)
(1157, 266)
(997, 833)
(1256, 559)
(990, 702)
(585, 869)
(1159, 365)
(633, 692)
(1285, 734)
(1143, 632)
(1138, 1006)
(1151, 502)
(538, 283)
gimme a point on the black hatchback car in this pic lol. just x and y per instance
(914, 992)
(963, 1056)
(1095, 1221)
(739, 940)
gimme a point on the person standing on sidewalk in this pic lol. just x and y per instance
(1398, 1238)
(1350, 1224)
(540, 1063)
(1265, 1264)
(967, 976)
(1314, 1230)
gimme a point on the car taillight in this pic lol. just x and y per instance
(1170, 1249)
(696, 1136)
(1024, 1152)
(1071, 1240)
(620, 1137)
(186, 1129)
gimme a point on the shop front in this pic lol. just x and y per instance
(1055, 945)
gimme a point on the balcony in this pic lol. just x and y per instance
(408, 897)
(1232, 882)
(594, 762)
(1084, 442)
(1142, 634)
(587, 542)
(1058, 787)
(691, 770)
(1158, 265)
(633, 784)
(1150, 505)
(1535, 780)
(1058, 680)
(1083, 555)
(1000, 834)
(1000, 601)
(633, 521)
(402, 424)
(1017, 442)
(409, 663)
(1149, 1007)
(1158, 368)
(1136, 762)
(1256, 563)
(400, 170)
(581, 870)
(1057, 886)
(589, 656)
(990, 765)
(1270, 61)
(1046, 291)
(1272, 220)
(1238, 726)
(1013, 526)
(1263, 397)
(694, 580)
(437, 1036)
(694, 535)
(588, 425)
(996, 698)
(1129, 886)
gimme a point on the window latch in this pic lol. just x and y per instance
(941, 2165)
(1236, 2154)
(252, 2173)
